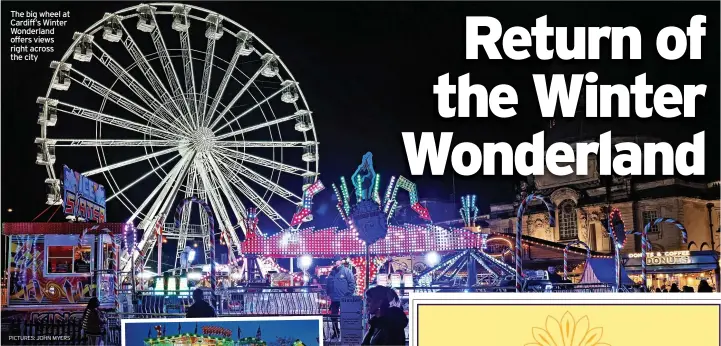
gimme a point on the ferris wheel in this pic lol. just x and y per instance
(184, 102)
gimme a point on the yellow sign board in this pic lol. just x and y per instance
(563, 319)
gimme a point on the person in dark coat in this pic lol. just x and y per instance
(340, 284)
(387, 322)
(200, 307)
(553, 277)
(93, 322)
(674, 288)
(703, 286)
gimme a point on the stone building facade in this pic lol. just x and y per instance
(582, 205)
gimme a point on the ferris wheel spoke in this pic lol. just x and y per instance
(264, 162)
(152, 171)
(237, 96)
(188, 72)
(215, 200)
(258, 201)
(240, 49)
(168, 67)
(136, 87)
(159, 209)
(207, 71)
(181, 24)
(235, 205)
(168, 195)
(220, 116)
(76, 142)
(259, 179)
(149, 72)
(264, 125)
(165, 181)
(129, 161)
(122, 101)
(262, 144)
(110, 120)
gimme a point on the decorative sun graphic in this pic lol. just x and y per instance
(567, 332)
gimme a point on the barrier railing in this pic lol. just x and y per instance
(589, 288)
(231, 301)
(54, 328)
(296, 300)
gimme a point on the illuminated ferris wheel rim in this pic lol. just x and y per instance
(97, 26)
(126, 14)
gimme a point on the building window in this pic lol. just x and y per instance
(68, 260)
(567, 220)
(507, 230)
(649, 216)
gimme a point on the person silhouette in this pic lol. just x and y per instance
(200, 307)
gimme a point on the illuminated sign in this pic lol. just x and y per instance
(497, 246)
(83, 197)
(665, 258)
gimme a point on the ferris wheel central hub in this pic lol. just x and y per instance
(203, 140)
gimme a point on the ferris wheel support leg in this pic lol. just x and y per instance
(205, 229)
(148, 240)
(185, 220)
(235, 204)
(166, 180)
(168, 193)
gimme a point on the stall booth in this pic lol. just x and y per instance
(683, 268)
(60, 266)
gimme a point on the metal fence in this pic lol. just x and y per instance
(54, 328)
(587, 288)
(234, 301)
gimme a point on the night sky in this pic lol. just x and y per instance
(367, 71)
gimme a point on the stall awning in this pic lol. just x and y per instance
(677, 263)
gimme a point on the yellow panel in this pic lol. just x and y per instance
(510, 325)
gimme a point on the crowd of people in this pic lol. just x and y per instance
(703, 287)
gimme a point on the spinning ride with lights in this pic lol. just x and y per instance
(174, 122)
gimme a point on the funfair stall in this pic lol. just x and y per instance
(61, 265)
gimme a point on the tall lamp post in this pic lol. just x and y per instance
(717, 271)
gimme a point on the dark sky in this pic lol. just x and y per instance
(367, 71)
